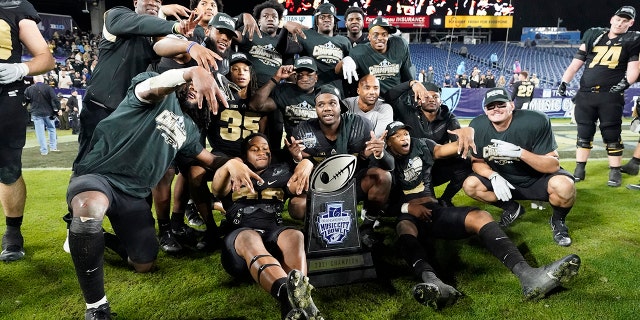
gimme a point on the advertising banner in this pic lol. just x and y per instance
(478, 22)
(52, 23)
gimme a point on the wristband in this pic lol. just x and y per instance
(274, 80)
(404, 208)
(193, 43)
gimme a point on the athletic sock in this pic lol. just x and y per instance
(13, 224)
(86, 244)
(500, 246)
(164, 225)
(560, 213)
(414, 254)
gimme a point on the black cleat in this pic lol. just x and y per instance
(12, 246)
(615, 177)
(540, 281)
(299, 293)
(169, 243)
(579, 174)
(434, 295)
(509, 216)
(192, 215)
(102, 312)
(631, 168)
(633, 186)
(560, 232)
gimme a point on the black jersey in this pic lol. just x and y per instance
(231, 125)
(296, 105)
(125, 50)
(262, 209)
(522, 92)
(391, 68)
(413, 171)
(263, 54)
(353, 132)
(531, 130)
(11, 13)
(606, 61)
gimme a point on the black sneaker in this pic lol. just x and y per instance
(560, 233)
(579, 174)
(630, 168)
(169, 243)
(12, 247)
(615, 177)
(540, 281)
(192, 214)
(434, 295)
(299, 293)
(103, 312)
(509, 216)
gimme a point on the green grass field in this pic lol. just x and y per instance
(603, 225)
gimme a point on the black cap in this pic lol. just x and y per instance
(496, 95)
(430, 86)
(627, 12)
(393, 127)
(305, 62)
(326, 8)
(222, 22)
(381, 21)
(239, 57)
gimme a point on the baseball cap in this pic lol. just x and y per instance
(381, 21)
(305, 62)
(393, 127)
(326, 8)
(496, 95)
(223, 21)
(239, 57)
(430, 86)
(627, 11)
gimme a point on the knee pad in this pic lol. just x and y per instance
(10, 174)
(584, 143)
(615, 149)
(85, 227)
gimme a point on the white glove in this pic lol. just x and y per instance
(349, 69)
(501, 187)
(11, 72)
(506, 149)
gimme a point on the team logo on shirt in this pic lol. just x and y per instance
(300, 112)
(172, 128)
(384, 69)
(328, 53)
(413, 169)
(267, 55)
(334, 224)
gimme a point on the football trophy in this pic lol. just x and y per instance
(334, 253)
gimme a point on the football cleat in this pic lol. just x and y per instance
(540, 281)
(102, 312)
(192, 214)
(615, 177)
(579, 174)
(299, 293)
(560, 233)
(434, 295)
(12, 247)
(633, 186)
(630, 168)
(509, 216)
(169, 243)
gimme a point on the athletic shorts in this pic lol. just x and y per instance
(446, 223)
(536, 191)
(236, 265)
(13, 133)
(130, 217)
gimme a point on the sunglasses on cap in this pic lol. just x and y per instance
(493, 106)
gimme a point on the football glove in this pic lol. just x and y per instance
(506, 149)
(12, 72)
(349, 69)
(621, 86)
(562, 89)
(501, 187)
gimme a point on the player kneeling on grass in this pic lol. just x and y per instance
(130, 152)
(421, 216)
(259, 244)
